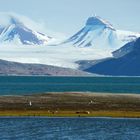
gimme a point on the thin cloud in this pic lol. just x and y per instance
(39, 26)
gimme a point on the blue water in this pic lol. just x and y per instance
(69, 129)
(41, 84)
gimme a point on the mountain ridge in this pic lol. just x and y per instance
(15, 68)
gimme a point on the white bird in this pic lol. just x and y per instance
(30, 103)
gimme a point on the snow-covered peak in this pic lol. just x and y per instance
(14, 20)
(14, 28)
(98, 21)
(99, 33)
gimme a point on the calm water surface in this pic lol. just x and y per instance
(40, 84)
(69, 129)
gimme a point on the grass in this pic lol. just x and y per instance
(71, 105)
(19, 113)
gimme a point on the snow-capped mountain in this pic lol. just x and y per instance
(99, 33)
(16, 30)
(95, 41)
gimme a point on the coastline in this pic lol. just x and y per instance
(74, 104)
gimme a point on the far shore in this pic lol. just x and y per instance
(71, 105)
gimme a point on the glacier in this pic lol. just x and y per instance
(61, 56)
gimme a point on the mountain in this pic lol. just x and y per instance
(125, 49)
(124, 65)
(14, 68)
(16, 30)
(99, 33)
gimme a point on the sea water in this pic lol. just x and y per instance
(69, 129)
(20, 85)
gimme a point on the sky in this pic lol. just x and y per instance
(68, 16)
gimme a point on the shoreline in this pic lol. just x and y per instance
(92, 75)
(74, 104)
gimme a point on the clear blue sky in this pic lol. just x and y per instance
(68, 16)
